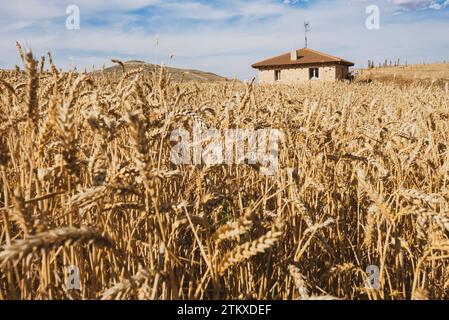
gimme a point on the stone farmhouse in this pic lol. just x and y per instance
(301, 66)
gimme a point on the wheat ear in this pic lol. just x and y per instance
(32, 87)
(119, 290)
(251, 248)
(52, 239)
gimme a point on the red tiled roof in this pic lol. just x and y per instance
(305, 56)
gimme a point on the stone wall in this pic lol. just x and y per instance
(342, 72)
(293, 75)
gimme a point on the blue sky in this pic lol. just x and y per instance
(224, 37)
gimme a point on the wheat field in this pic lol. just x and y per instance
(87, 181)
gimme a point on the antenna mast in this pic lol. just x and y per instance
(306, 29)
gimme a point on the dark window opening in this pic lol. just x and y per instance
(277, 75)
(314, 73)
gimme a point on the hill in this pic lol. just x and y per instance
(177, 75)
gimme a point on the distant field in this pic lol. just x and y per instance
(419, 72)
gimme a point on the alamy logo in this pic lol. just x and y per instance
(372, 22)
(233, 146)
(72, 22)
(372, 277)
(73, 278)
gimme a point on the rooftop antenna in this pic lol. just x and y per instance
(306, 29)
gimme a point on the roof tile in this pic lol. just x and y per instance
(305, 56)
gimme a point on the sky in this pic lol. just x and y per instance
(224, 37)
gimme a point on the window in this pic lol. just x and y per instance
(314, 73)
(277, 75)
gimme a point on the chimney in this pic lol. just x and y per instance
(293, 55)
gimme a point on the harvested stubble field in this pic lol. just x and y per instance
(86, 180)
(436, 74)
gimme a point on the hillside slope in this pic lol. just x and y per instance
(177, 75)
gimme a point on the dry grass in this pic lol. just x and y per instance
(86, 180)
(433, 73)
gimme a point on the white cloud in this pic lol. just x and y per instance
(421, 4)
